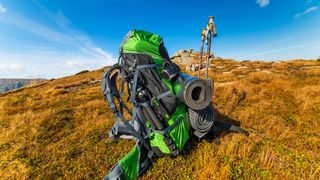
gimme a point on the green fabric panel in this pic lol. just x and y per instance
(130, 163)
(167, 83)
(179, 134)
(144, 42)
(156, 140)
(158, 60)
(177, 88)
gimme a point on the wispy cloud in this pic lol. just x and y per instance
(69, 37)
(101, 52)
(2, 9)
(82, 38)
(263, 3)
(42, 50)
(307, 11)
(38, 29)
(68, 50)
(279, 50)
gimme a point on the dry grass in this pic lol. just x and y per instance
(58, 129)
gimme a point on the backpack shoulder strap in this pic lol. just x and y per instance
(110, 92)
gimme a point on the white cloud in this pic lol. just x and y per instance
(75, 64)
(307, 11)
(2, 9)
(263, 3)
(53, 66)
(11, 67)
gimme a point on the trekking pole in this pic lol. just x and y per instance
(203, 35)
(209, 28)
(208, 54)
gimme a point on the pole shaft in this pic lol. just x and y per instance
(201, 55)
(208, 55)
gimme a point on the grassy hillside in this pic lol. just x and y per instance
(59, 128)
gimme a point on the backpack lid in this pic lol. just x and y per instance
(139, 41)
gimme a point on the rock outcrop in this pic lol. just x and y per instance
(190, 59)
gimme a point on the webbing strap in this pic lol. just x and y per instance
(134, 132)
(163, 95)
(147, 66)
(109, 98)
(122, 78)
(144, 163)
(134, 88)
(145, 104)
(134, 114)
(115, 127)
(166, 130)
(122, 104)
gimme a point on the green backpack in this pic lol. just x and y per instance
(168, 106)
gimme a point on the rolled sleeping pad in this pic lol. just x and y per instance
(194, 92)
(201, 121)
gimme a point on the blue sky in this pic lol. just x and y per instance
(55, 38)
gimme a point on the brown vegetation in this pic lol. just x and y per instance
(58, 129)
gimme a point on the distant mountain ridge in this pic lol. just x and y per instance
(11, 84)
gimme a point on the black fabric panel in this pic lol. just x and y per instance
(163, 52)
(151, 79)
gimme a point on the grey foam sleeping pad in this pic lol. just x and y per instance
(202, 120)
